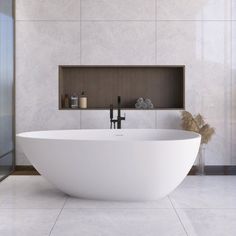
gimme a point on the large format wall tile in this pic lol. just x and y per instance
(233, 82)
(48, 10)
(216, 89)
(179, 10)
(168, 119)
(216, 10)
(101, 119)
(179, 43)
(40, 48)
(193, 10)
(204, 47)
(216, 92)
(139, 119)
(124, 33)
(95, 119)
(118, 10)
(233, 10)
(118, 43)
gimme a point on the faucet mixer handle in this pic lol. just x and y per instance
(118, 100)
(111, 111)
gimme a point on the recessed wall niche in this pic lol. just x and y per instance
(164, 85)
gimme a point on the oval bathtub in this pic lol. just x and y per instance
(123, 164)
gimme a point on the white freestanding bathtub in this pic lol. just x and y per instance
(141, 164)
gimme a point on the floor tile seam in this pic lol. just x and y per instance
(29, 208)
(58, 215)
(78, 21)
(114, 208)
(151, 20)
(206, 208)
(176, 213)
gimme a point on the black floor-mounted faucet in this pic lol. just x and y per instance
(119, 117)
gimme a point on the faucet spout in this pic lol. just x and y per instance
(119, 117)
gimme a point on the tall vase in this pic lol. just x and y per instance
(201, 159)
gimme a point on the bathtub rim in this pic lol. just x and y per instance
(26, 135)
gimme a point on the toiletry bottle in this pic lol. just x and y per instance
(83, 100)
(74, 101)
(66, 101)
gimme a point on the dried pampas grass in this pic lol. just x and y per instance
(198, 125)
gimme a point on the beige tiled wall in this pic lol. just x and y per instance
(200, 34)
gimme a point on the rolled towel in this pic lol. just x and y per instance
(148, 101)
(139, 100)
(150, 106)
(138, 105)
(144, 105)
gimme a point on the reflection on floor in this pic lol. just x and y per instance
(201, 205)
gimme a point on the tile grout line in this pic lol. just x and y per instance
(119, 208)
(58, 216)
(156, 51)
(202, 55)
(117, 20)
(206, 208)
(80, 120)
(80, 22)
(156, 123)
(178, 215)
(80, 48)
(231, 84)
(155, 32)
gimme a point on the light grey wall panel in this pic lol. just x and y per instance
(140, 119)
(101, 32)
(95, 119)
(118, 43)
(40, 47)
(168, 119)
(47, 9)
(233, 91)
(194, 9)
(118, 9)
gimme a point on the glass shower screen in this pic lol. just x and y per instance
(6, 87)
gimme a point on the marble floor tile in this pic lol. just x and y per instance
(204, 222)
(205, 205)
(27, 222)
(117, 222)
(29, 192)
(75, 203)
(205, 192)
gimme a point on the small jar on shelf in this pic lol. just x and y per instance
(83, 101)
(74, 101)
